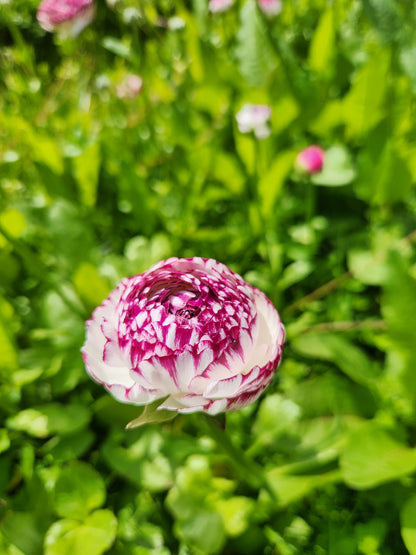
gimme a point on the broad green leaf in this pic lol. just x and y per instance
(288, 488)
(271, 184)
(119, 48)
(334, 348)
(321, 51)
(24, 531)
(50, 418)
(408, 524)
(371, 457)
(285, 111)
(4, 440)
(399, 302)
(295, 272)
(408, 62)
(236, 514)
(254, 54)
(89, 285)
(363, 107)
(86, 171)
(79, 489)
(69, 447)
(13, 221)
(94, 536)
(46, 150)
(331, 393)
(338, 169)
(276, 416)
(386, 18)
(368, 266)
(204, 531)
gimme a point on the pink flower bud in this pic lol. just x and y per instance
(254, 118)
(189, 330)
(216, 6)
(130, 86)
(270, 7)
(311, 159)
(67, 17)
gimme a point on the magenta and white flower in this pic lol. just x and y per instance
(216, 6)
(270, 7)
(254, 118)
(310, 160)
(189, 330)
(67, 17)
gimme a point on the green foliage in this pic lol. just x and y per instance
(96, 185)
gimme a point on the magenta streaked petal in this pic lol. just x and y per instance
(190, 329)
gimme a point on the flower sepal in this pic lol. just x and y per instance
(151, 415)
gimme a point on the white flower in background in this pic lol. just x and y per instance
(130, 86)
(254, 118)
(270, 7)
(216, 6)
(67, 17)
(189, 331)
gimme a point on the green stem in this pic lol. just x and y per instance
(310, 201)
(249, 471)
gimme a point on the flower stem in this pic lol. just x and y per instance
(249, 471)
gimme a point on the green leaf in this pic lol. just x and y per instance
(89, 284)
(408, 524)
(86, 171)
(289, 489)
(254, 54)
(51, 418)
(271, 184)
(24, 531)
(321, 51)
(235, 513)
(204, 531)
(94, 536)
(349, 358)
(152, 415)
(79, 489)
(363, 107)
(338, 169)
(371, 457)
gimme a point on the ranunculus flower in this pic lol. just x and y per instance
(270, 7)
(67, 17)
(219, 5)
(130, 86)
(310, 159)
(190, 330)
(254, 118)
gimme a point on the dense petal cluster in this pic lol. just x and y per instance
(68, 17)
(310, 159)
(254, 118)
(270, 7)
(190, 330)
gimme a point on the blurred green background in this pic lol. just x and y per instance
(96, 185)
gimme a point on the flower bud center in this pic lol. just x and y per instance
(180, 304)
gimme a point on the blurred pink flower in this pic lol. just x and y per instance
(219, 5)
(270, 7)
(254, 118)
(67, 17)
(310, 159)
(130, 86)
(188, 331)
